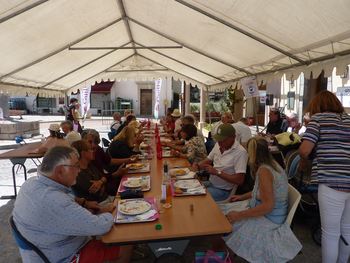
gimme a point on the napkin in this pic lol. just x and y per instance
(197, 190)
(147, 215)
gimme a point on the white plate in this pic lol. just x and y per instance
(179, 171)
(133, 207)
(133, 183)
(187, 184)
(135, 166)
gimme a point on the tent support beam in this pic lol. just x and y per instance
(185, 64)
(121, 61)
(30, 87)
(21, 11)
(189, 47)
(246, 33)
(82, 66)
(126, 22)
(155, 62)
(134, 47)
(138, 70)
(60, 49)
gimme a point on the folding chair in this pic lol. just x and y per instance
(23, 243)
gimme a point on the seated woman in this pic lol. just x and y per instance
(125, 144)
(260, 233)
(91, 184)
(55, 139)
(194, 148)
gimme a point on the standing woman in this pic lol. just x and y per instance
(327, 137)
(72, 116)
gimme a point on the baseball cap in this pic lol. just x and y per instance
(224, 131)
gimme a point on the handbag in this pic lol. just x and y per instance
(212, 257)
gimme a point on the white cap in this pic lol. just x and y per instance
(73, 136)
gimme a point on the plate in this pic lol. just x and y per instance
(187, 184)
(133, 207)
(133, 183)
(135, 166)
(178, 171)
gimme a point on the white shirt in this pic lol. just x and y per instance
(243, 132)
(177, 125)
(232, 161)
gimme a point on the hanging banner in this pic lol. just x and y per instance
(158, 85)
(85, 101)
(249, 86)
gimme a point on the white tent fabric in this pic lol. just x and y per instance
(211, 43)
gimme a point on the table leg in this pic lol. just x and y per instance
(14, 180)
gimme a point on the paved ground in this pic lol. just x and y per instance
(9, 252)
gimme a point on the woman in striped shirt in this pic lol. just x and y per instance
(328, 137)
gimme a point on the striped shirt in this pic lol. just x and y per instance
(331, 134)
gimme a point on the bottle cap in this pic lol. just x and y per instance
(158, 227)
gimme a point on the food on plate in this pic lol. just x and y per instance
(135, 166)
(133, 182)
(133, 207)
(179, 172)
(187, 184)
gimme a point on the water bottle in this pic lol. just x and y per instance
(166, 187)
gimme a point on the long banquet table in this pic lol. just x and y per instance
(177, 222)
(18, 157)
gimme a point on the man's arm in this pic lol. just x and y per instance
(237, 178)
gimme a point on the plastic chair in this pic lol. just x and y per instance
(23, 243)
(293, 201)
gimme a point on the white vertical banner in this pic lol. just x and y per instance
(158, 85)
(85, 101)
(250, 87)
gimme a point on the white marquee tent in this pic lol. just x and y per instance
(62, 45)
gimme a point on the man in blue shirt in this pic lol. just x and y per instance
(47, 214)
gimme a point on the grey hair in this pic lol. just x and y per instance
(92, 132)
(69, 123)
(56, 156)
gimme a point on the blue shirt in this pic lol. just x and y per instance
(46, 214)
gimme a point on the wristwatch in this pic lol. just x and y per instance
(219, 172)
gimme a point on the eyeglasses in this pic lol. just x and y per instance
(76, 166)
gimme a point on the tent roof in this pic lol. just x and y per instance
(64, 45)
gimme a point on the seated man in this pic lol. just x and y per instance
(226, 117)
(115, 125)
(70, 135)
(226, 163)
(48, 215)
(243, 132)
(276, 123)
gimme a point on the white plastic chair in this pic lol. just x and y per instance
(293, 200)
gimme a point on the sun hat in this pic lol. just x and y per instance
(176, 113)
(54, 127)
(224, 131)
